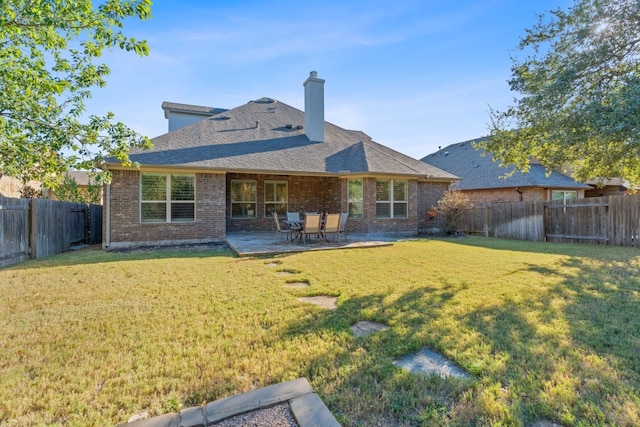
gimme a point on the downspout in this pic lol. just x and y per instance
(107, 219)
(520, 192)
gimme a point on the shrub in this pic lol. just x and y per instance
(451, 207)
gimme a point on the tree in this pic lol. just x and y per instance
(70, 191)
(48, 50)
(580, 94)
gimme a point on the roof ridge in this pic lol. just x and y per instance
(374, 147)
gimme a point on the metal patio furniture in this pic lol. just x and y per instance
(282, 232)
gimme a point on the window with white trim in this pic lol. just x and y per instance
(167, 197)
(276, 197)
(391, 198)
(244, 199)
(355, 198)
(563, 195)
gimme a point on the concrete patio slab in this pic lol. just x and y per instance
(263, 244)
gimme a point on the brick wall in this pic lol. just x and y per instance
(429, 193)
(306, 194)
(507, 195)
(124, 211)
(213, 207)
(529, 194)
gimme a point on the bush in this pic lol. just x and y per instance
(451, 207)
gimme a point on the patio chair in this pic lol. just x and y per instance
(311, 226)
(293, 216)
(331, 226)
(282, 232)
(293, 220)
(343, 225)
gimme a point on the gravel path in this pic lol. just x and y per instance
(275, 416)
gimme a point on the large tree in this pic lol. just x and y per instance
(49, 51)
(578, 76)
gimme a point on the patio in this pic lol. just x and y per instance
(261, 243)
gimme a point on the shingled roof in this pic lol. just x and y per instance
(479, 171)
(268, 136)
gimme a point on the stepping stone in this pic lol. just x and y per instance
(272, 264)
(286, 273)
(296, 285)
(365, 328)
(544, 423)
(322, 300)
(429, 362)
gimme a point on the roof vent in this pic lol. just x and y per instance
(446, 153)
(222, 118)
(289, 126)
(299, 127)
(264, 101)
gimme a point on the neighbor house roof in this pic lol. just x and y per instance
(478, 170)
(268, 136)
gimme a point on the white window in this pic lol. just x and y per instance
(276, 197)
(355, 198)
(563, 195)
(167, 197)
(391, 198)
(243, 199)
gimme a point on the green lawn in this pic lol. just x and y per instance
(547, 331)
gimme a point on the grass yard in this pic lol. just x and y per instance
(547, 331)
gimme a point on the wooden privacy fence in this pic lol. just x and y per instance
(613, 220)
(35, 228)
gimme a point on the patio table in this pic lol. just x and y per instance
(295, 226)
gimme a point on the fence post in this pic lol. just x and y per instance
(486, 221)
(33, 228)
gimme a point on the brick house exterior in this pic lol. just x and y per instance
(484, 180)
(224, 171)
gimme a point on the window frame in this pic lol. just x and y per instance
(356, 201)
(245, 202)
(268, 203)
(391, 199)
(167, 201)
(564, 195)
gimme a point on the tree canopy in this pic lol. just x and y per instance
(577, 73)
(49, 51)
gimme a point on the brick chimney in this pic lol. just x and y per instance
(314, 107)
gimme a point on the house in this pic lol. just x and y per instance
(225, 171)
(609, 187)
(483, 180)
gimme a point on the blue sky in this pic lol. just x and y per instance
(414, 75)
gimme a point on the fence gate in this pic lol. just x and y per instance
(14, 230)
(35, 228)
